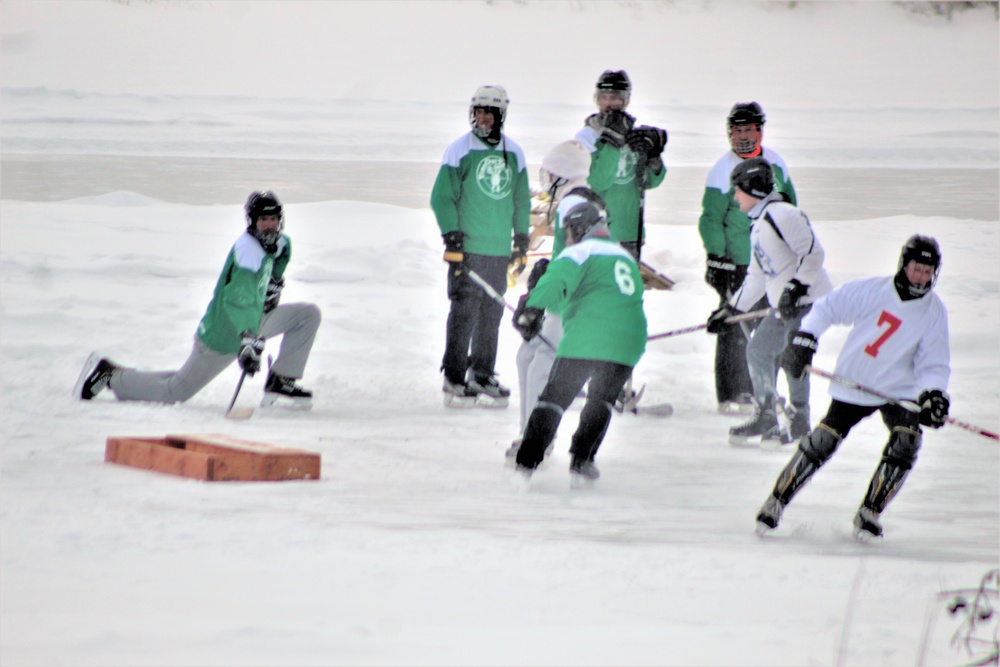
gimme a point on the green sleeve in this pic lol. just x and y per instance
(445, 196)
(522, 203)
(783, 184)
(711, 227)
(603, 167)
(243, 300)
(561, 279)
(281, 261)
(654, 177)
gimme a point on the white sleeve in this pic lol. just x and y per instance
(932, 360)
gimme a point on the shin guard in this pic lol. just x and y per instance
(814, 450)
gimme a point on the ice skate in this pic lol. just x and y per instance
(281, 391)
(866, 524)
(764, 426)
(741, 405)
(94, 378)
(458, 395)
(769, 515)
(489, 392)
(583, 473)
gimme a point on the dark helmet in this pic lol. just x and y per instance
(923, 250)
(614, 80)
(264, 203)
(745, 113)
(754, 177)
(581, 219)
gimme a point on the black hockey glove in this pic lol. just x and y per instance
(617, 125)
(650, 141)
(519, 254)
(934, 406)
(537, 271)
(527, 321)
(273, 295)
(251, 349)
(454, 242)
(799, 354)
(719, 273)
(788, 304)
(717, 320)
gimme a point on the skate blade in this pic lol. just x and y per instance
(578, 482)
(278, 401)
(744, 442)
(775, 445)
(240, 414)
(520, 479)
(763, 529)
(484, 401)
(736, 409)
(459, 402)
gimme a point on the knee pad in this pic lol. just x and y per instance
(902, 448)
(820, 445)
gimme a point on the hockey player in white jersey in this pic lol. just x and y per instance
(899, 347)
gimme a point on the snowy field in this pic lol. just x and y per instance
(414, 547)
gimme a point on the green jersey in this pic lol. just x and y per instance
(724, 229)
(483, 190)
(596, 287)
(238, 301)
(613, 176)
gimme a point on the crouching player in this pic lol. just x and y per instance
(595, 285)
(898, 346)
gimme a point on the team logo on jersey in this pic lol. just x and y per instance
(626, 167)
(493, 177)
(764, 261)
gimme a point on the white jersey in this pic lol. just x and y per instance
(897, 347)
(783, 246)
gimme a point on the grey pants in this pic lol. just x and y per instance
(764, 356)
(297, 321)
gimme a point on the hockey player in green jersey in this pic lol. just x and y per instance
(595, 285)
(625, 160)
(243, 313)
(725, 233)
(482, 201)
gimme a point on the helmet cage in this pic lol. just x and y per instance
(922, 250)
(264, 203)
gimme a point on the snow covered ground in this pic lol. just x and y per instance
(414, 548)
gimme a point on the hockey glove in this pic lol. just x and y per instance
(650, 141)
(799, 354)
(273, 295)
(537, 271)
(251, 349)
(519, 254)
(527, 321)
(454, 242)
(717, 320)
(617, 125)
(934, 406)
(788, 304)
(719, 274)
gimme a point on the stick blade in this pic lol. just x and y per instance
(240, 414)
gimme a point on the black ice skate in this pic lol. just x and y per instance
(764, 426)
(94, 378)
(582, 473)
(866, 524)
(281, 390)
(458, 395)
(769, 515)
(490, 393)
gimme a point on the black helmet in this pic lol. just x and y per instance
(581, 219)
(754, 177)
(264, 203)
(923, 250)
(745, 113)
(614, 80)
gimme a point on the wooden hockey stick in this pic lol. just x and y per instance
(493, 294)
(745, 317)
(908, 405)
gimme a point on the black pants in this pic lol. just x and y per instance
(474, 318)
(842, 417)
(732, 375)
(565, 382)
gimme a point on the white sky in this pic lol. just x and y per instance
(837, 54)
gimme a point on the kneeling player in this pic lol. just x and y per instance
(899, 347)
(595, 285)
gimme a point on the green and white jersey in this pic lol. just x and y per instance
(483, 190)
(724, 229)
(238, 301)
(596, 287)
(613, 176)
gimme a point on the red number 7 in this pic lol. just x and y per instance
(894, 324)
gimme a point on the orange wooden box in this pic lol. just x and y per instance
(213, 458)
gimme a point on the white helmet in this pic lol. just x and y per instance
(567, 162)
(489, 96)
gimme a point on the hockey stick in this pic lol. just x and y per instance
(745, 317)
(493, 294)
(908, 405)
(238, 414)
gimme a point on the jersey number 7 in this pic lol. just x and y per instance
(894, 324)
